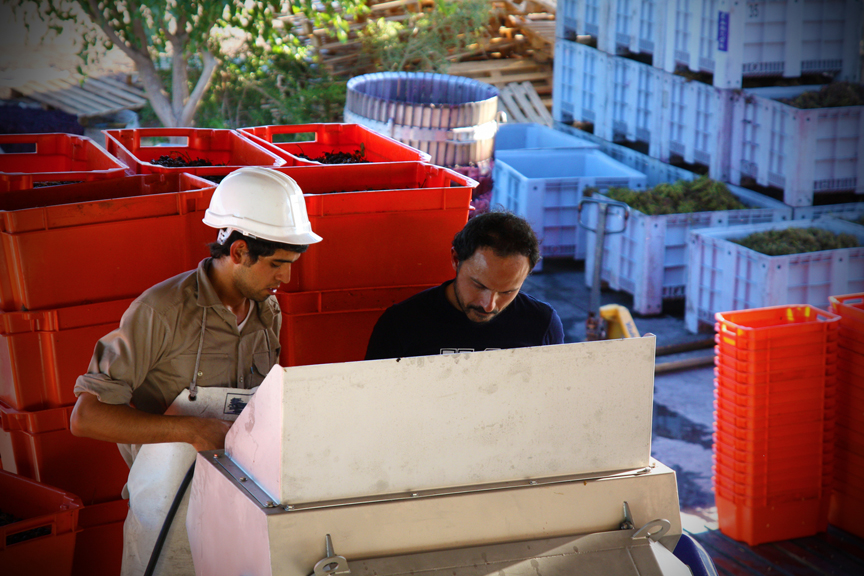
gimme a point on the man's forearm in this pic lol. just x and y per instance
(126, 425)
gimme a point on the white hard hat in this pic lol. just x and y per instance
(261, 203)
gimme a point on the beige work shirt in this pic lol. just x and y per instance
(151, 357)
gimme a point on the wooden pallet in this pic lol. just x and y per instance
(521, 103)
(505, 71)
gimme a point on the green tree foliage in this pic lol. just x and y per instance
(186, 34)
(423, 42)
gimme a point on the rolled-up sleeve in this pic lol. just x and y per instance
(123, 358)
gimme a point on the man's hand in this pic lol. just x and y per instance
(210, 434)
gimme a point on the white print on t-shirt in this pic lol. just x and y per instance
(461, 350)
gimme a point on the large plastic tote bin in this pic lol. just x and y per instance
(42, 541)
(545, 187)
(39, 445)
(226, 150)
(334, 325)
(522, 135)
(43, 352)
(804, 152)
(723, 275)
(109, 220)
(383, 224)
(54, 159)
(331, 138)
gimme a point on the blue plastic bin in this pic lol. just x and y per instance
(519, 136)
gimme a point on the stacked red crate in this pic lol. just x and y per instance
(847, 502)
(775, 405)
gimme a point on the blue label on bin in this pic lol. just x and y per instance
(723, 31)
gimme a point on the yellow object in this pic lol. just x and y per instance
(619, 322)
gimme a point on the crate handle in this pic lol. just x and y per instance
(610, 204)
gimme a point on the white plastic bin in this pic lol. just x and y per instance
(848, 211)
(803, 152)
(545, 187)
(649, 259)
(625, 99)
(580, 82)
(619, 25)
(726, 276)
(520, 136)
(732, 39)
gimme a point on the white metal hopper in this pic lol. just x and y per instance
(428, 454)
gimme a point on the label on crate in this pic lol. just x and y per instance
(723, 31)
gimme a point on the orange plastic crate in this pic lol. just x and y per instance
(798, 391)
(848, 306)
(757, 524)
(333, 326)
(776, 355)
(780, 437)
(779, 377)
(331, 138)
(767, 405)
(40, 508)
(225, 149)
(42, 353)
(752, 456)
(746, 420)
(781, 325)
(849, 439)
(797, 485)
(39, 229)
(803, 361)
(746, 341)
(55, 158)
(815, 463)
(39, 445)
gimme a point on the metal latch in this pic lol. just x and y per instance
(331, 564)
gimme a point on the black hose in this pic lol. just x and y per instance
(169, 519)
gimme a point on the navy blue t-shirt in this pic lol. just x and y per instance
(427, 324)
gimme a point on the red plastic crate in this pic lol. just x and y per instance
(333, 326)
(42, 353)
(753, 456)
(852, 341)
(56, 158)
(99, 546)
(346, 138)
(848, 306)
(849, 440)
(757, 524)
(399, 236)
(225, 149)
(112, 220)
(846, 511)
(798, 436)
(781, 325)
(39, 507)
(851, 363)
(39, 445)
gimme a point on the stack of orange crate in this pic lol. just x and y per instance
(847, 503)
(774, 421)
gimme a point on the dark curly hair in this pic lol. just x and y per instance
(504, 232)
(257, 247)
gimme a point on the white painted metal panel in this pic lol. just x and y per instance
(324, 432)
(230, 533)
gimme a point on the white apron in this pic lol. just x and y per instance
(155, 476)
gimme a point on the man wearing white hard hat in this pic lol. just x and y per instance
(213, 328)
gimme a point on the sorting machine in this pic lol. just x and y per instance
(532, 461)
